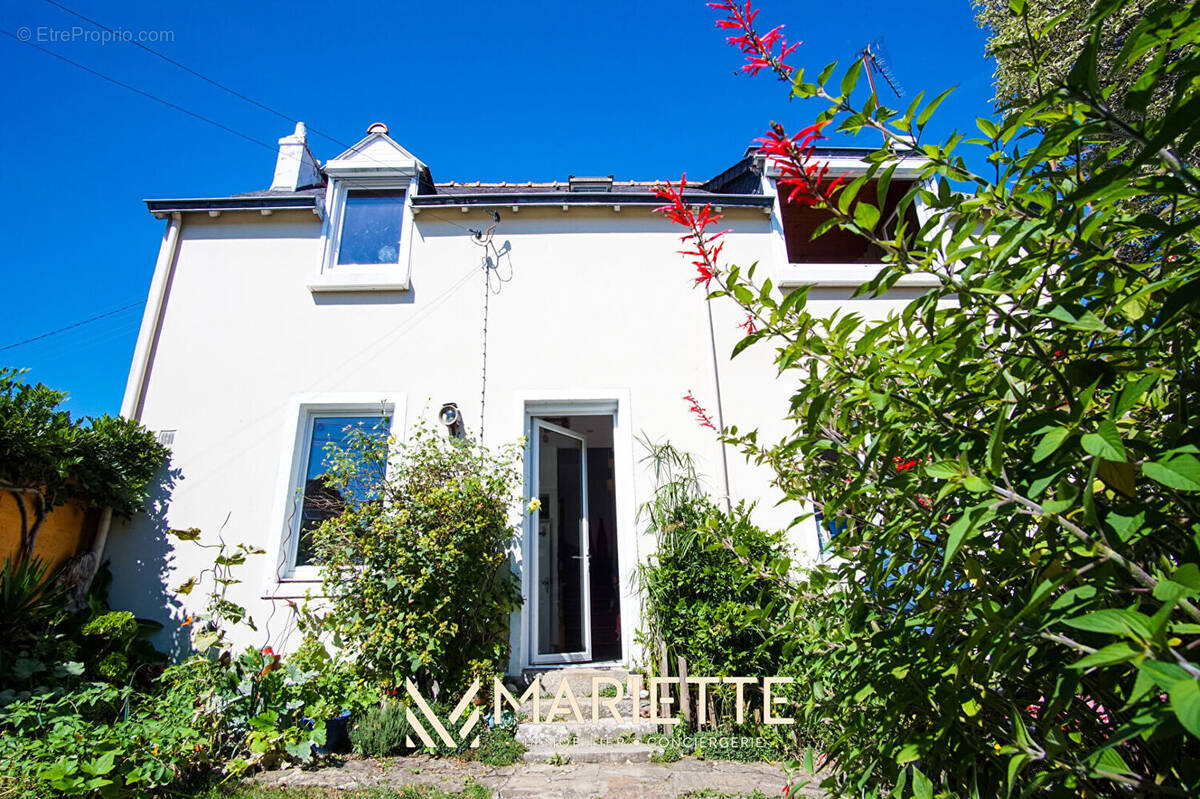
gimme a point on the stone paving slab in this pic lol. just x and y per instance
(570, 781)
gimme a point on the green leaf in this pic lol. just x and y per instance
(976, 484)
(1185, 703)
(1188, 574)
(1121, 652)
(1171, 591)
(1016, 764)
(1105, 442)
(1119, 477)
(907, 754)
(850, 79)
(866, 215)
(1110, 760)
(1114, 621)
(24, 668)
(1049, 443)
(1181, 472)
(922, 785)
(956, 535)
(944, 470)
(929, 109)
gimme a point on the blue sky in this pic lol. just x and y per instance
(477, 90)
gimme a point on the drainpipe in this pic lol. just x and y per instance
(712, 341)
(135, 388)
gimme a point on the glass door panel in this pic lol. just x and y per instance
(562, 598)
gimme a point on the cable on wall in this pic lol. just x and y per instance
(483, 238)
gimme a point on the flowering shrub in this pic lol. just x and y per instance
(1010, 460)
(416, 567)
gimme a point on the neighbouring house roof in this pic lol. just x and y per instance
(267, 200)
(738, 186)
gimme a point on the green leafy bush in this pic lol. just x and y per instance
(703, 602)
(380, 731)
(47, 458)
(1009, 461)
(416, 567)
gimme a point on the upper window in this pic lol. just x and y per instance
(371, 224)
(320, 501)
(835, 245)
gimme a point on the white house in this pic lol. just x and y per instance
(359, 288)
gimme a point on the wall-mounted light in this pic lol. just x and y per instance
(451, 417)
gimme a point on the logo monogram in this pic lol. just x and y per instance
(431, 718)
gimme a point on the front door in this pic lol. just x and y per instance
(562, 597)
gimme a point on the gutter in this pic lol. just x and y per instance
(215, 205)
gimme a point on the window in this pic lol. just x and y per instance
(319, 501)
(371, 224)
(827, 529)
(837, 246)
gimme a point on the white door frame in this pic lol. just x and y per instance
(585, 586)
(630, 544)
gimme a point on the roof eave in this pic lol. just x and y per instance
(162, 207)
(583, 199)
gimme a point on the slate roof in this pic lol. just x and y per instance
(740, 185)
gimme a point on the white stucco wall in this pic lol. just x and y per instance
(597, 303)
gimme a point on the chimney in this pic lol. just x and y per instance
(295, 167)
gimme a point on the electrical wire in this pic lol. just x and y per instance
(484, 239)
(219, 85)
(145, 94)
(73, 325)
(196, 73)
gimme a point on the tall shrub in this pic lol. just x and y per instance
(416, 566)
(48, 459)
(1011, 460)
(702, 602)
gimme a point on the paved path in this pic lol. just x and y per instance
(571, 781)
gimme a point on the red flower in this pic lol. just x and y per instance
(706, 246)
(905, 465)
(765, 51)
(793, 156)
(749, 325)
(271, 661)
(699, 412)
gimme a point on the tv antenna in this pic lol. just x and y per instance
(874, 58)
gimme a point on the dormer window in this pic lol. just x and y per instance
(371, 228)
(368, 235)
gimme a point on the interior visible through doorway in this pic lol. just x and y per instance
(577, 604)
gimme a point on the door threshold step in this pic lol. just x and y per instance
(592, 753)
(604, 732)
(579, 678)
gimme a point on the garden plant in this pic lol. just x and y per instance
(1009, 462)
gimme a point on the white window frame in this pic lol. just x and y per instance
(364, 277)
(283, 578)
(790, 275)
